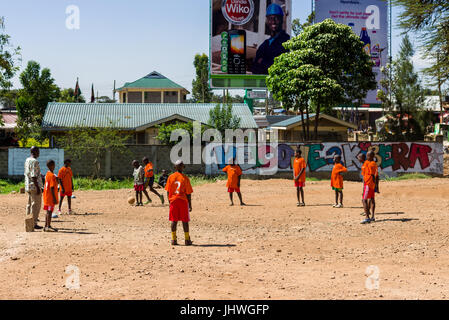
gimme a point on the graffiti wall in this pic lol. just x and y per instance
(391, 157)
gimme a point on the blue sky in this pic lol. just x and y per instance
(118, 40)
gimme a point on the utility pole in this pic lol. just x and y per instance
(439, 86)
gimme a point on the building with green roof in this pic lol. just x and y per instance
(140, 120)
(153, 88)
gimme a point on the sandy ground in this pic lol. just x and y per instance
(270, 249)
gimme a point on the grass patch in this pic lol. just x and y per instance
(84, 183)
(313, 179)
(8, 186)
(408, 176)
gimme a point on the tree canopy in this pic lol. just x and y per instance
(201, 92)
(325, 65)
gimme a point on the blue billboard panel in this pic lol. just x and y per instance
(369, 20)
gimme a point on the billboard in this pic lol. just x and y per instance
(369, 20)
(245, 37)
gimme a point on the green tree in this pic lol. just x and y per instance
(68, 95)
(325, 65)
(402, 97)
(221, 118)
(105, 99)
(9, 58)
(429, 19)
(82, 142)
(38, 90)
(201, 92)
(298, 27)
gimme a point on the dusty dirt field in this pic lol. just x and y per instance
(268, 250)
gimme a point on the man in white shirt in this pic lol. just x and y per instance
(33, 185)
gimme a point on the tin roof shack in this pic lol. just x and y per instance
(153, 88)
(8, 137)
(139, 120)
(329, 128)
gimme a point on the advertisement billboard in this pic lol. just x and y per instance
(245, 37)
(369, 20)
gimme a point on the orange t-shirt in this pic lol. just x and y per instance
(149, 170)
(65, 174)
(369, 172)
(233, 175)
(178, 187)
(298, 164)
(50, 182)
(336, 177)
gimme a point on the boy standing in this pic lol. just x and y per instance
(179, 192)
(234, 176)
(65, 180)
(299, 176)
(369, 177)
(50, 195)
(149, 180)
(337, 181)
(138, 175)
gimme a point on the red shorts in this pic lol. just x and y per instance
(231, 190)
(299, 184)
(368, 193)
(49, 208)
(68, 194)
(179, 211)
(139, 187)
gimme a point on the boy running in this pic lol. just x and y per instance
(149, 180)
(337, 181)
(50, 195)
(234, 173)
(179, 192)
(299, 176)
(369, 177)
(65, 180)
(138, 175)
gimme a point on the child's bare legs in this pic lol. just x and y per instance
(146, 194)
(60, 202)
(301, 191)
(366, 208)
(69, 203)
(48, 219)
(373, 208)
(230, 197)
(336, 197)
(297, 195)
(240, 198)
(185, 226)
(341, 197)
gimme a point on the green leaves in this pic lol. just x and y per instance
(221, 118)
(201, 91)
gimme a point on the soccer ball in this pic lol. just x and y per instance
(131, 200)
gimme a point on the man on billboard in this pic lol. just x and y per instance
(272, 47)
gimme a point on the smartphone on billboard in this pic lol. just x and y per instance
(237, 52)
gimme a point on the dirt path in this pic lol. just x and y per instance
(268, 250)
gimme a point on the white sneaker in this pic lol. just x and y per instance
(339, 205)
(54, 215)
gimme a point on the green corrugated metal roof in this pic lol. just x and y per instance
(132, 115)
(154, 80)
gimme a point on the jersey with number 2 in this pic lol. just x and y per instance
(178, 187)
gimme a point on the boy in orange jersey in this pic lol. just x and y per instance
(369, 178)
(337, 181)
(50, 195)
(362, 159)
(179, 192)
(234, 173)
(299, 176)
(65, 180)
(149, 180)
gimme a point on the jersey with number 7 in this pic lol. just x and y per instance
(178, 187)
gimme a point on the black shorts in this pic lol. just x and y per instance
(149, 181)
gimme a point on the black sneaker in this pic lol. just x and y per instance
(38, 227)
